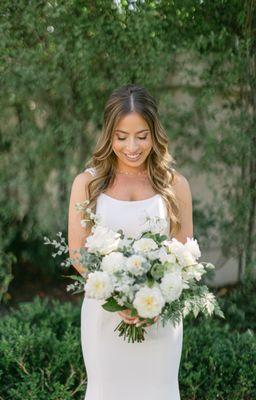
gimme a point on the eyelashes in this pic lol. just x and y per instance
(140, 138)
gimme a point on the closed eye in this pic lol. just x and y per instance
(140, 138)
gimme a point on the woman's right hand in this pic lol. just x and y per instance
(125, 315)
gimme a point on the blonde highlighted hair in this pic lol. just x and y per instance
(124, 100)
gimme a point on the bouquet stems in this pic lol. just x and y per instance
(131, 332)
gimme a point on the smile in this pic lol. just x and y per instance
(133, 157)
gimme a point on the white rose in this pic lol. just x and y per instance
(102, 240)
(144, 245)
(161, 255)
(178, 249)
(192, 246)
(137, 264)
(173, 267)
(149, 302)
(165, 257)
(193, 272)
(188, 258)
(98, 285)
(113, 262)
(155, 225)
(175, 247)
(171, 286)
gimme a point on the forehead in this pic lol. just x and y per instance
(132, 122)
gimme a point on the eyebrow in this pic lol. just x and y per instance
(143, 130)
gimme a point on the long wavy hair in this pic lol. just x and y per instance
(159, 163)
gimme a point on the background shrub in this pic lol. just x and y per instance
(41, 356)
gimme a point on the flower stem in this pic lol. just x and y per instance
(131, 332)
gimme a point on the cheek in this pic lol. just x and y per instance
(117, 145)
(147, 145)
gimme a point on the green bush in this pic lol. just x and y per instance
(239, 305)
(217, 363)
(41, 356)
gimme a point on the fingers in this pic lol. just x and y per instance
(128, 320)
(134, 320)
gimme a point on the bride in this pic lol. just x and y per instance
(130, 177)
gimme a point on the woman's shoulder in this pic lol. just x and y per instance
(83, 178)
(180, 184)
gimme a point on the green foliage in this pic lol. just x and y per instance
(216, 58)
(239, 305)
(41, 356)
(217, 363)
(6, 276)
(59, 62)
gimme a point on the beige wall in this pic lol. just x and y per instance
(178, 83)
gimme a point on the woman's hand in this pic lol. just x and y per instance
(125, 315)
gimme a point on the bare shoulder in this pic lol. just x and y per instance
(81, 181)
(181, 186)
(83, 178)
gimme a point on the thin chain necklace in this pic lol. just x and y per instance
(143, 173)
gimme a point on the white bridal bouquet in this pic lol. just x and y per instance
(148, 274)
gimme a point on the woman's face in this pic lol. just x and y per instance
(132, 141)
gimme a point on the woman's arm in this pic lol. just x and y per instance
(76, 233)
(184, 197)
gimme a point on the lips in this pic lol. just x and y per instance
(132, 157)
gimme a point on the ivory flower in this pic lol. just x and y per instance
(149, 302)
(98, 285)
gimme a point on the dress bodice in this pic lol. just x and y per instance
(128, 215)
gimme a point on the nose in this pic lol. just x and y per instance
(132, 146)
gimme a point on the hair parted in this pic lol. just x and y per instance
(122, 101)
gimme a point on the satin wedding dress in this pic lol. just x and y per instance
(116, 369)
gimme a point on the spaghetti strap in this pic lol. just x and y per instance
(91, 170)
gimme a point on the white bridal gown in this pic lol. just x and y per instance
(116, 369)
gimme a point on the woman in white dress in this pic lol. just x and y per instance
(130, 177)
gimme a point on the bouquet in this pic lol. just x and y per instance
(150, 275)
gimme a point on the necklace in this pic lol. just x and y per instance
(143, 173)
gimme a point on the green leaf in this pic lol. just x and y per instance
(75, 278)
(112, 305)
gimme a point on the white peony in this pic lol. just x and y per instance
(171, 286)
(192, 246)
(155, 225)
(137, 265)
(187, 258)
(193, 272)
(161, 255)
(144, 245)
(149, 302)
(174, 247)
(173, 267)
(98, 285)
(165, 257)
(113, 262)
(178, 249)
(102, 240)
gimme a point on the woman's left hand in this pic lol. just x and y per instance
(125, 314)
